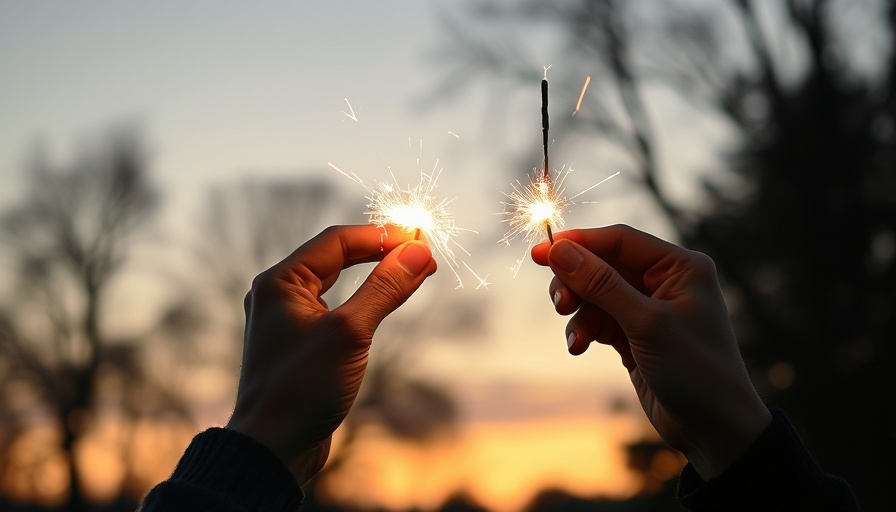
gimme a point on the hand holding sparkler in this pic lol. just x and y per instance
(303, 363)
(661, 308)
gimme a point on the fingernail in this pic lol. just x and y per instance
(414, 258)
(557, 297)
(566, 256)
(570, 340)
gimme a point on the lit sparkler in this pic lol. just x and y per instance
(532, 210)
(417, 210)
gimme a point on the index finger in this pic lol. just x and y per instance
(626, 245)
(339, 247)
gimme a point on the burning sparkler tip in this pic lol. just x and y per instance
(415, 210)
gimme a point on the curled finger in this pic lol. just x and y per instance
(566, 302)
(591, 323)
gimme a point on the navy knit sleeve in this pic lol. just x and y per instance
(224, 470)
(776, 473)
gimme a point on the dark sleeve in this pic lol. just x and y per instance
(224, 470)
(776, 473)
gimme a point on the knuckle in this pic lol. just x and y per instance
(347, 326)
(600, 281)
(703, 261)
(703, 264)
(622, 228)
(261, 284)
(387, 285)
(329, 231)
(266, 286)
(619, 230)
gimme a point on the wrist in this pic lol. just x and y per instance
(302, 462)
(308, 463)
(728, 440)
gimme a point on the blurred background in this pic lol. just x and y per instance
(154, 157)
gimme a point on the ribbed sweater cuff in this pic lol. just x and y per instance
(238, 469)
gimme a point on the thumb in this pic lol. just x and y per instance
(390, 284)
(596, 282)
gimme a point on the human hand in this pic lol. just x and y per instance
(661, 308)
(302, 362)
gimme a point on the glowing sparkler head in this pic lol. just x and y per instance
(545, 209)
(411, 209)
(535, 209)
(411, 217)
(416, 208)
(531, 209)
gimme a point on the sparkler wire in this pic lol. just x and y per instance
(545, 126)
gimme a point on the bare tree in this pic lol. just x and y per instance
(800, 224)
(68, 240)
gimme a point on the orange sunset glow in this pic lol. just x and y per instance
(502, 465)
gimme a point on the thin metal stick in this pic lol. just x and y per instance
(545, 126)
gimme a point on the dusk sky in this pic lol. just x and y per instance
(228, 91)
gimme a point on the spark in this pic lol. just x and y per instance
(417, 210)
(531, 210)
(456, 136)
(351, 112)
(582, 94)
(483, 281)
